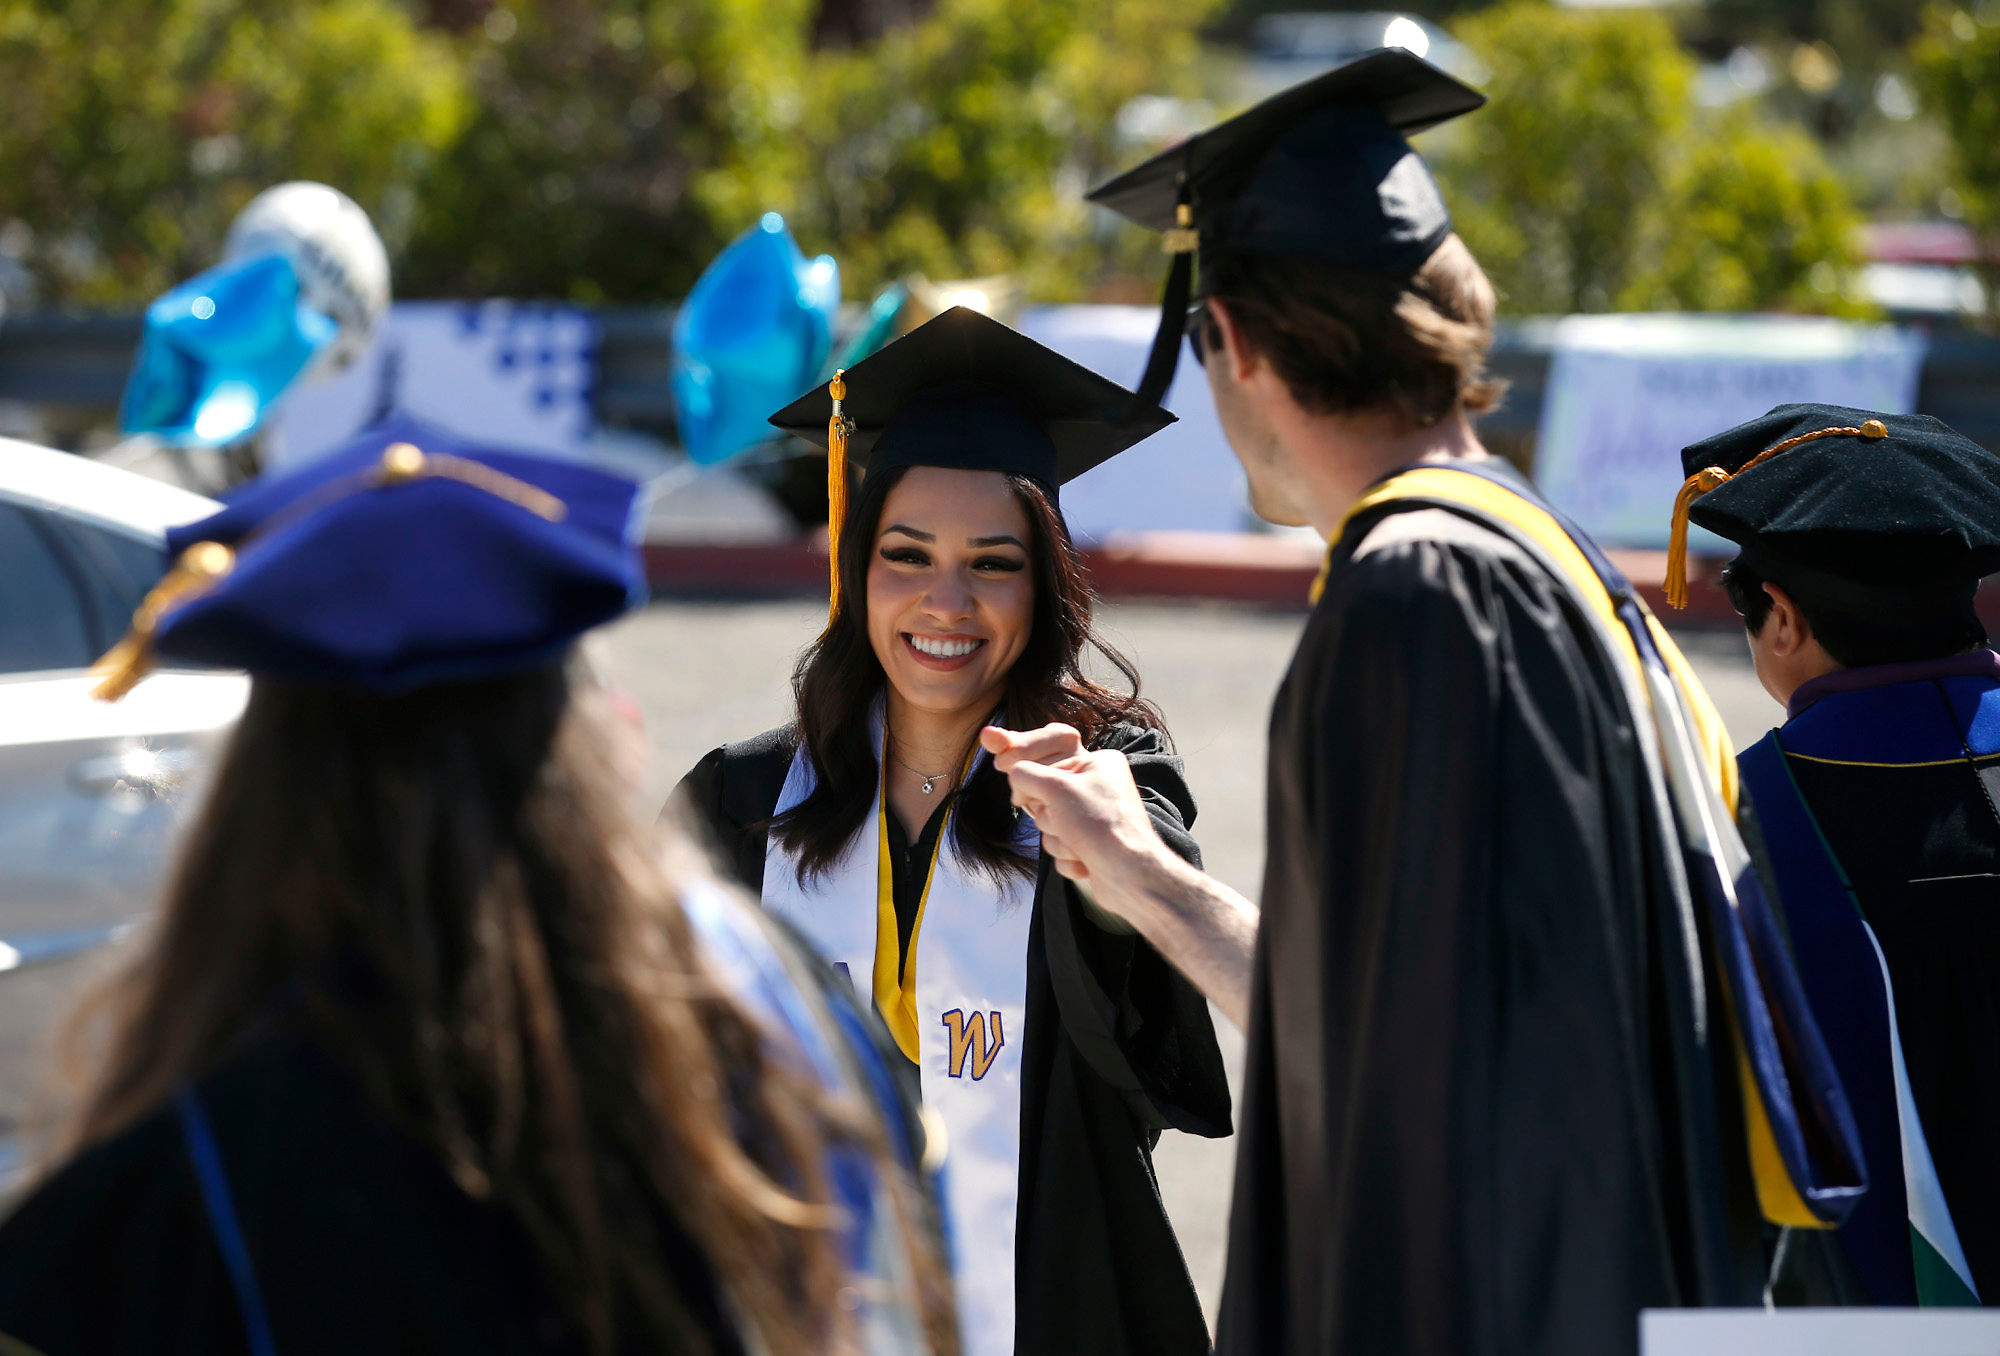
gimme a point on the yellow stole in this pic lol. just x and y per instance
(1777, 1195)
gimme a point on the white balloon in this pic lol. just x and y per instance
(343, 268)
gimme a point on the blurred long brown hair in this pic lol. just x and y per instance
(536, 1011)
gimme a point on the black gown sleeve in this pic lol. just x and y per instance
(729, 797)
(1139, 1024)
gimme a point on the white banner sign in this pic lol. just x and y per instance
(1819, 1332)
(1183, 478)
(1627, 392)
(515, 374)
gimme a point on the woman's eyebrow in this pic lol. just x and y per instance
(1005, 539)
(909, 532)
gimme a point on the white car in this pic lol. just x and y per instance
(89, 793)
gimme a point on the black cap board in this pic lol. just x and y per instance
(1854, 508)
(967, 392)
(1321, 170)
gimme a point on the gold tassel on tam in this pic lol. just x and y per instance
(131, 659)
(1706, 479)
(837, 429)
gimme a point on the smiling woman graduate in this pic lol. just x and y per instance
(1053, 1046)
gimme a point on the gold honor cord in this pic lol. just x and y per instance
(1706, 479)
(895, 975)
(838, 426)
(203, 564)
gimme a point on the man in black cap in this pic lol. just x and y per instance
(1864, 538)
(1492, 1099)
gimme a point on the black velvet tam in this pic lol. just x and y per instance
(1873, 519)
(966, 392)
(1320, 170)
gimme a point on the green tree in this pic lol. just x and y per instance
(1758, 221)
(1591, 182)
(614, 146)
(132, 131)
(1958, 68)
(963, 145)
(619, 144)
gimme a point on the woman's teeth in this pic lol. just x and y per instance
(944, 649)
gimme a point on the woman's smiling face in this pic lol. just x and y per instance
(951, 592)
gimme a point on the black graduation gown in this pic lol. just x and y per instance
(359, 1239)
(1899, 767)
(1462, 1129)
(1118, 1047)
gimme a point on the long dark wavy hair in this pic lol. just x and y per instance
(530, 1003)
(839, 677)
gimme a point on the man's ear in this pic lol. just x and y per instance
(1786, 629)
(1240, 362)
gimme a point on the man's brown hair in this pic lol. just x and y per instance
(1345, 340)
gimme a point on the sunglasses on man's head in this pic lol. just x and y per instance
(1195, 326)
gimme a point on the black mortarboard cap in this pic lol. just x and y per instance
(967, 392)
(1321, 170)
(1872, 513)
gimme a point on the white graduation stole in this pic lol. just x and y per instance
(968, 958)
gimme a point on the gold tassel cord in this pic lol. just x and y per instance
(1181, 237)
(837, 429)
(405, 462)
(131, 659)
(1706, 479)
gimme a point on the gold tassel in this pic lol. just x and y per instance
(837, 429)
(1697, 485)
(123, 666)
(1706, 479)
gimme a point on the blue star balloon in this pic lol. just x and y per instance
(753, 333)
(219, 349)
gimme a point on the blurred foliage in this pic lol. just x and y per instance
(1757, 221)
(617, 147)
(132, 131)
(1864, 33)
(1957, 59)
(963, 146)
(584, 149)
(1592, 182)
(613, 147)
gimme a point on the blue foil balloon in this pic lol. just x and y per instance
(219, 349)
(752, 335)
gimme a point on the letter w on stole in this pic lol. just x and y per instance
(980, 1034)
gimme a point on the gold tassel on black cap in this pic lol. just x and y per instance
(131, 659)
(1181, 241)
(1706, 479)
(837, 429)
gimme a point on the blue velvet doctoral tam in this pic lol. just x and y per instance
(409, 558)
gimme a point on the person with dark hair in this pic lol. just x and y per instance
(1864, 537)
(1053, 1044)
(1491, 1101)
(432, 1048)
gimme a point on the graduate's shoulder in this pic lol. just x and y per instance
(738, 784)
(1398, 548)
(1430, 585)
